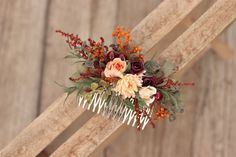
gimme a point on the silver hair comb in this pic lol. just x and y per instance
(115, 109)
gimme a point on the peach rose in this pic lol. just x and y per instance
(128, 85)
(146, 93)
(115, 68)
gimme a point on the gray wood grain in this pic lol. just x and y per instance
(69, 17)
(206, 128)
(229, 96)
(22, 33)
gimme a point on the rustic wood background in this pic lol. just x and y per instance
(31, 59)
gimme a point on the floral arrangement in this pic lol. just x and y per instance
(120, 70)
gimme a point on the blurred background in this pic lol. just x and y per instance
(31, 59)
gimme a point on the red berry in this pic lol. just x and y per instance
(158, 96)
(87, 90)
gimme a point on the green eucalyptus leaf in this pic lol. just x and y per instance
(141, 102)
(69, 90)
(168, 68)
(128, 103)
(166, 97)
(152, 67)
(89, 63)
(162, 84)
(70, 56)
(176, 104)
(128, 67)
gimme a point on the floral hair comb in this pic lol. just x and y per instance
(115, 80)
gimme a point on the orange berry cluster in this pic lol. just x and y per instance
(137, 49)
(122, 37)
(162, 113)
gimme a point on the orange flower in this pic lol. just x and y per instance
(115, 68)
(162, 113)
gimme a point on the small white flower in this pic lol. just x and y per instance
(146, 93)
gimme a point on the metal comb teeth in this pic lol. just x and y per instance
(114, 109)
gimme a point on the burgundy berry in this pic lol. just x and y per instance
(110, 56)
(122, 57)
(158, 96)
(116, 54)
(96, 64)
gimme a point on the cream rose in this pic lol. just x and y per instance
(115, 68)
(128, 85)
(146, 93)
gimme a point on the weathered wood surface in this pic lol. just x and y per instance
(163, 140)
(21, 49)
(168, 14)
(33, 139)
(21, 140)
(69, 19)
(206, 29)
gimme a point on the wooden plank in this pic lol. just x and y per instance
(167, 16)
(181, 72)
(218, 45)
(207, 26)
(44, 129)
(22, 32)
(93, 134)
(222, 49)
(204, 32)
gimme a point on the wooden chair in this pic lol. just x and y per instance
(157, 27)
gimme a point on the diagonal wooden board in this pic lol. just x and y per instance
(60, 115)
(181, 52)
